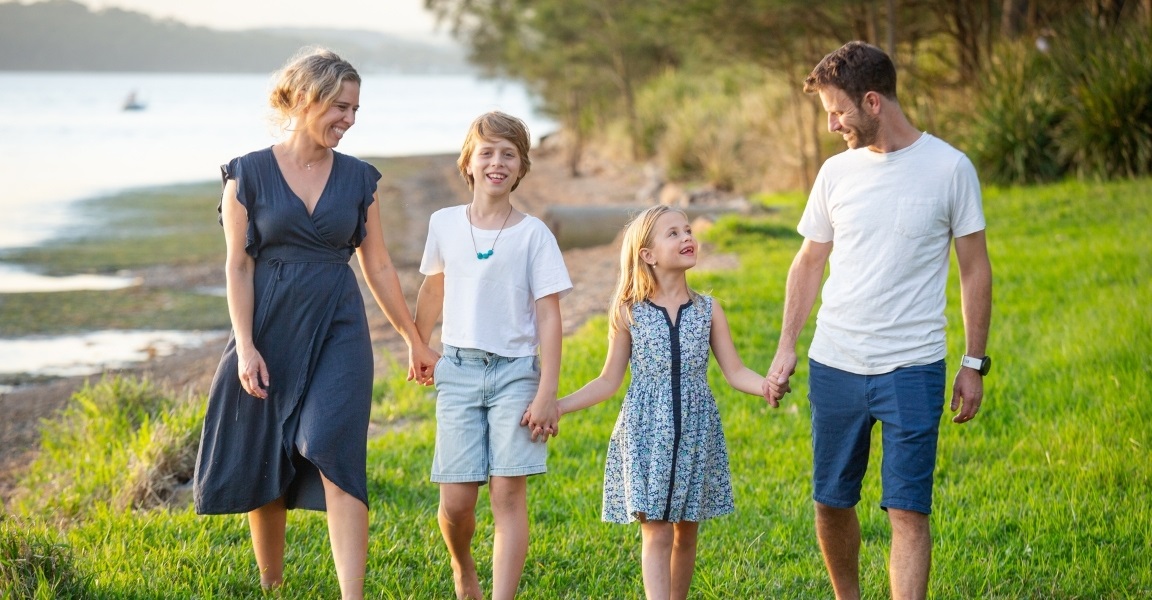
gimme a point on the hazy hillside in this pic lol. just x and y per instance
(61, 35)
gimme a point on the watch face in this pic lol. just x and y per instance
(985, 365)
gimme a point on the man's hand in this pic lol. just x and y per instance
(776, 383)
(967, 394)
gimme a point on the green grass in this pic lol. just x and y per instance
(1045, 495)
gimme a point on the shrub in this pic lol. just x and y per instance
(120, 442)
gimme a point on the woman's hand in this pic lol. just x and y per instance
(253, 373)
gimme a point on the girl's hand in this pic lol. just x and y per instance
(253, 373)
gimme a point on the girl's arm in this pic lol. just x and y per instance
(611, 376)
(383, 281)
(239, 269)
(736, 374)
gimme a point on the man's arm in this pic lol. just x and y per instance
(976, 306)
(804, 279)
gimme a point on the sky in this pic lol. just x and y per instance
(406, 17)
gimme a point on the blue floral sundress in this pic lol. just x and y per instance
(667, 459)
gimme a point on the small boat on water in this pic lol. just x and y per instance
(132, 103)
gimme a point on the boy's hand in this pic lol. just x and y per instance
(542, 418)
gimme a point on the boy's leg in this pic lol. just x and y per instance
(656, 558)
(348, 532)
(683, 558)
(457, 517)
(267, 524)
(510, 547)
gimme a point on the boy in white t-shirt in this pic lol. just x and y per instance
(497, 275)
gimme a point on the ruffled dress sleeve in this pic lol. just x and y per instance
(370, 178)
(246, 194)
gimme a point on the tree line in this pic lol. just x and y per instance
(593, 63)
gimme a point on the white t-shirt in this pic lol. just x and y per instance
(891, 218)
(490, 304)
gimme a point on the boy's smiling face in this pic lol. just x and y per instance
(495, 166)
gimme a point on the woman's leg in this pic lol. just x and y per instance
(510, 547)
(457, 517)
(267, 524)
(683, 558)
(348, 532)
(656, 558)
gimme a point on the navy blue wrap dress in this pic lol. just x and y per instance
(309, 325)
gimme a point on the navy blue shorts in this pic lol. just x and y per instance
(908, 402)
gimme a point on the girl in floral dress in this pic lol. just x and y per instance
(667, 465)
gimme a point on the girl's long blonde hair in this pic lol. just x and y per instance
(637, 281)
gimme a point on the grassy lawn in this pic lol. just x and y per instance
(1045, 495)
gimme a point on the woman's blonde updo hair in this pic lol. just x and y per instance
(637, 280)
(313, 76)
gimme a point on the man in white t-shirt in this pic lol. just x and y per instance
(882, 215)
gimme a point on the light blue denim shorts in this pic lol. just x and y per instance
(481, 398)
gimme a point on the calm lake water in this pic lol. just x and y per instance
(64, 137)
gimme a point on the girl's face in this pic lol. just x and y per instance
(673, 246)
(494, 166)
(327, 127)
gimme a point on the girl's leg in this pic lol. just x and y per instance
(267, 524)
(348, 533)
(683, 558)
(510, 548)
(656, 558)
(457, 517)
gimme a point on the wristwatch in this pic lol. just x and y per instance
(983, 365)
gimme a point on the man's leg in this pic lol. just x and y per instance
(911, 555)
(838, 531)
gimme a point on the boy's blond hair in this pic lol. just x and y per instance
(637, 280)
(492, 126)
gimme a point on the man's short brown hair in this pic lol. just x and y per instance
(856, 68)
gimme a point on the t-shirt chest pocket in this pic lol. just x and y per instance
(918, 217)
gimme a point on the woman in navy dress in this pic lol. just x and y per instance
(288, 411)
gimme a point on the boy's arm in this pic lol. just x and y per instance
(543, 415)
(429, 305)
(736, 374)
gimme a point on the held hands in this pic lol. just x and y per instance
(776, 384)
(967, 394)
(253, 373)
(422, 363)
(542, 418)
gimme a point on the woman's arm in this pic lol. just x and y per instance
(736, 374)
(384, 282)
(239, 269)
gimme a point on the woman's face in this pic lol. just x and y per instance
(327, 126)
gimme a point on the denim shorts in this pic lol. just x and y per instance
(908, 402)
(481, 398)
